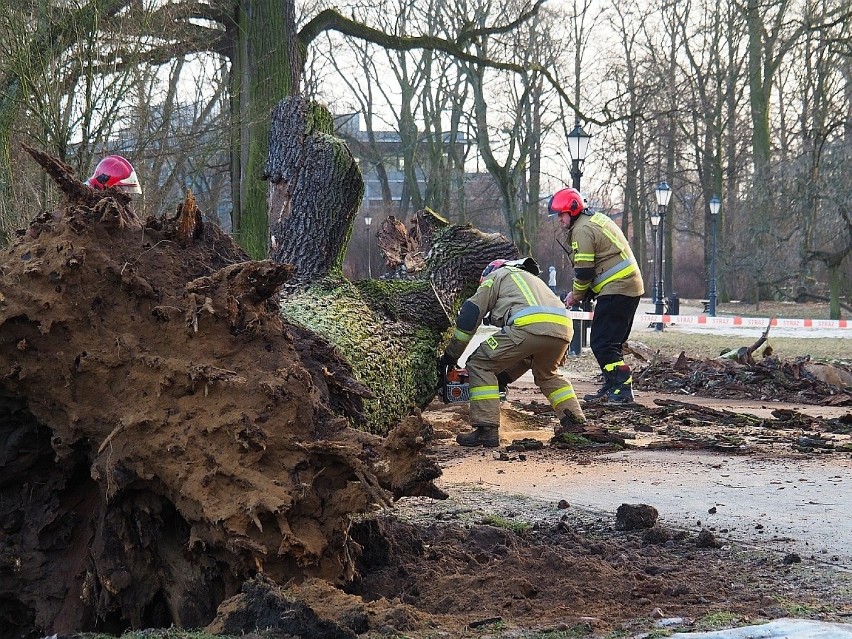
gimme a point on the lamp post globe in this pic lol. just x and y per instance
(578, 146)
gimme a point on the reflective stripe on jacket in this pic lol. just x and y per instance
(518, 299)
(599, 244)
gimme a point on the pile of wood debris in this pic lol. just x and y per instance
(798, 380)
(677, 425)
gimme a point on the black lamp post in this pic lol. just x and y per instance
(664, 194)
(578, 146)
(715, 205)
(368, 219)
(655, 223)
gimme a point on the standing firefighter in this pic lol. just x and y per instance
(604, 266)
(535, 332)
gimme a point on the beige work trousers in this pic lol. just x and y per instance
(506, 350)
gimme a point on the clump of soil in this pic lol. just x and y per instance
(165, 436)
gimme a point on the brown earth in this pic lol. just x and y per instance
(165, 435)
(573, 568)
(494, 561)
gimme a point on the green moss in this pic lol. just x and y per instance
(319, 119)
(717, 620)
(517, 527)
(572, 439)
(395, 359)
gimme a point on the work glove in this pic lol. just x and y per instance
(448, 361)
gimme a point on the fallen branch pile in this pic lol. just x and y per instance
(770, 379)
(677, 425)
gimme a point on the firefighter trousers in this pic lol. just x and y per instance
(507, 349)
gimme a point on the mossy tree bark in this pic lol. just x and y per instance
(390, 331)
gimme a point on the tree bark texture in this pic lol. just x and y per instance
(272, 70)
(391, 331)
(315, 190)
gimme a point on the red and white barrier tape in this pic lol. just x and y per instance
(740, 322)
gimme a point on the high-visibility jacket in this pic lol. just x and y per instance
(515, 298)
(602, 258)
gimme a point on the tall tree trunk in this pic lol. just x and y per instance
(273, 65)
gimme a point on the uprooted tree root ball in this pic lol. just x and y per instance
(165, 435)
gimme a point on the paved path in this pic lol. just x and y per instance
(788, 504)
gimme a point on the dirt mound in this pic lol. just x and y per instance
(450, 577)
(578, 573)
(165, 436)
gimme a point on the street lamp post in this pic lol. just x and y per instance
(578, 146)
(655, 225)
(664, 194)
(368, 219)
(715, 205)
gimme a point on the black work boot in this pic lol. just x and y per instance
(570, 423)
(482, 435)
(621, 391)
(601, 393)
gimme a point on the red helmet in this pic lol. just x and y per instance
(566, 201)
(115, 171)
(493, 266)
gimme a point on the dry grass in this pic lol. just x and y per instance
(778, 309)
(705, 345)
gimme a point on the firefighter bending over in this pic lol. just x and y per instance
(534, 326)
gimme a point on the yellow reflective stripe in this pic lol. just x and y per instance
(615, 243)
(581, 287)
(461, 335)
(479, 393)
(613, 365)
(487, 283)
(539, 318)
(615, 276)
(561, 395)
(584, 257)
(525, 290)
(602, 220)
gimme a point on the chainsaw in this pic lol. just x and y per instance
(456, 387)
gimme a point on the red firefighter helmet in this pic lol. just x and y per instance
(116, 171)
(493, 266)
(566, 201)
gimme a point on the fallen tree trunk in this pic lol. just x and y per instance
(175, 418)
(391, 330)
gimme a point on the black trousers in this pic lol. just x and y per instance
(611, 327)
